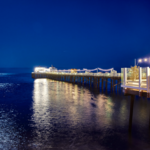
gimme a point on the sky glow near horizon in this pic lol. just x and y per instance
(74, 34)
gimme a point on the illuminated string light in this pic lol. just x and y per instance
(88, 69)
(43, 69)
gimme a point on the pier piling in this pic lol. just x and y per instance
(131, 112)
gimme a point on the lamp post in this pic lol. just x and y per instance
(144, 60)
(135, 62)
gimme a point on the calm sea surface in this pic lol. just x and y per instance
(43, 114)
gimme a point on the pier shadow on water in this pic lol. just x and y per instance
(46, 114)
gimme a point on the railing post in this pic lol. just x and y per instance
(140, 80)
(148, 81)
(125, 76)
(140, 77)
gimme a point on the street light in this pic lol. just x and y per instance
(140, 60)
(145, 59)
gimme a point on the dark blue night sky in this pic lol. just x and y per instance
(73, 33)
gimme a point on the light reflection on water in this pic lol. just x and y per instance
(60, 115)
(7, 125)
(70, 116)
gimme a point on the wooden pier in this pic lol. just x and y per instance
(93, 79)
(135, 81)
(132, 85)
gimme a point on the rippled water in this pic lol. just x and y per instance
(44, 114)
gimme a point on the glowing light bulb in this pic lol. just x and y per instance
(140, 60)
(145, 59)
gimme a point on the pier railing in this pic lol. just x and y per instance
(84, 74)
(136, 78)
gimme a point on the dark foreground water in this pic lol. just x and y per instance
(44, 114)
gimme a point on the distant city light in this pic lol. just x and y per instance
(140, 60)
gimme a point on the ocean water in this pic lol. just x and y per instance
(44, 114)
